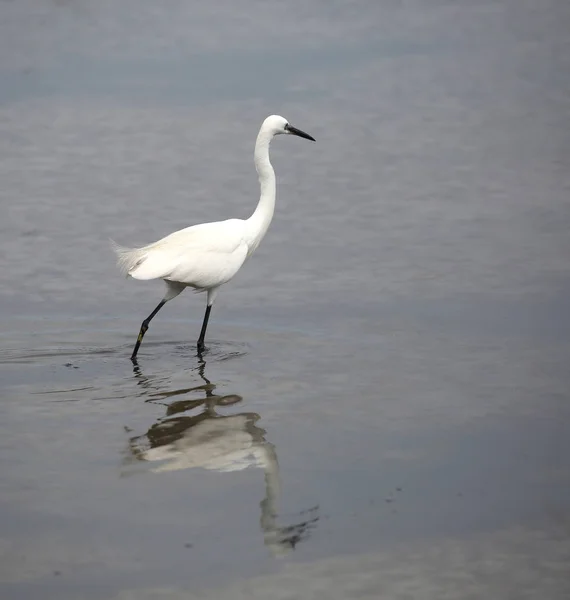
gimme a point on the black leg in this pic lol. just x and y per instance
(144, 328)
(203, 332)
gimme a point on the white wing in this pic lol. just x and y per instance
(201, 256)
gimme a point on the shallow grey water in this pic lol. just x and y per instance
(384, 405)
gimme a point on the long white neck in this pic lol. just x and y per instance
(258, 223)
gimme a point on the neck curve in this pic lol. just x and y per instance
(258, 223)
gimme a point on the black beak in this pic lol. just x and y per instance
(294, 131)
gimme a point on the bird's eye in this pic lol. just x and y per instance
(286, 127)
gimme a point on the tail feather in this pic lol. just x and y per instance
(128, 259)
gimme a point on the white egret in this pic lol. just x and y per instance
(206, 256)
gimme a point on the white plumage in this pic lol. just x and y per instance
(201, 256)
(206, 256)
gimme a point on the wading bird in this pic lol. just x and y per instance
(206, 256)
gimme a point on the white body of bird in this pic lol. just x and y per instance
(206, 256)
(202, 257)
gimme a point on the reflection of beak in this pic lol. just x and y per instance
(294, 131)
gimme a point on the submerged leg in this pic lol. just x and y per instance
(173, 288)
(211, 297)
(201, 345)
(144, 328)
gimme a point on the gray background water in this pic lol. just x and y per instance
(399, 344)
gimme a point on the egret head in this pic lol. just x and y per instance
(277, 125)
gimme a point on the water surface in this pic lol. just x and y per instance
(383, 408)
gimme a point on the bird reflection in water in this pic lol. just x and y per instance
(219, 443)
